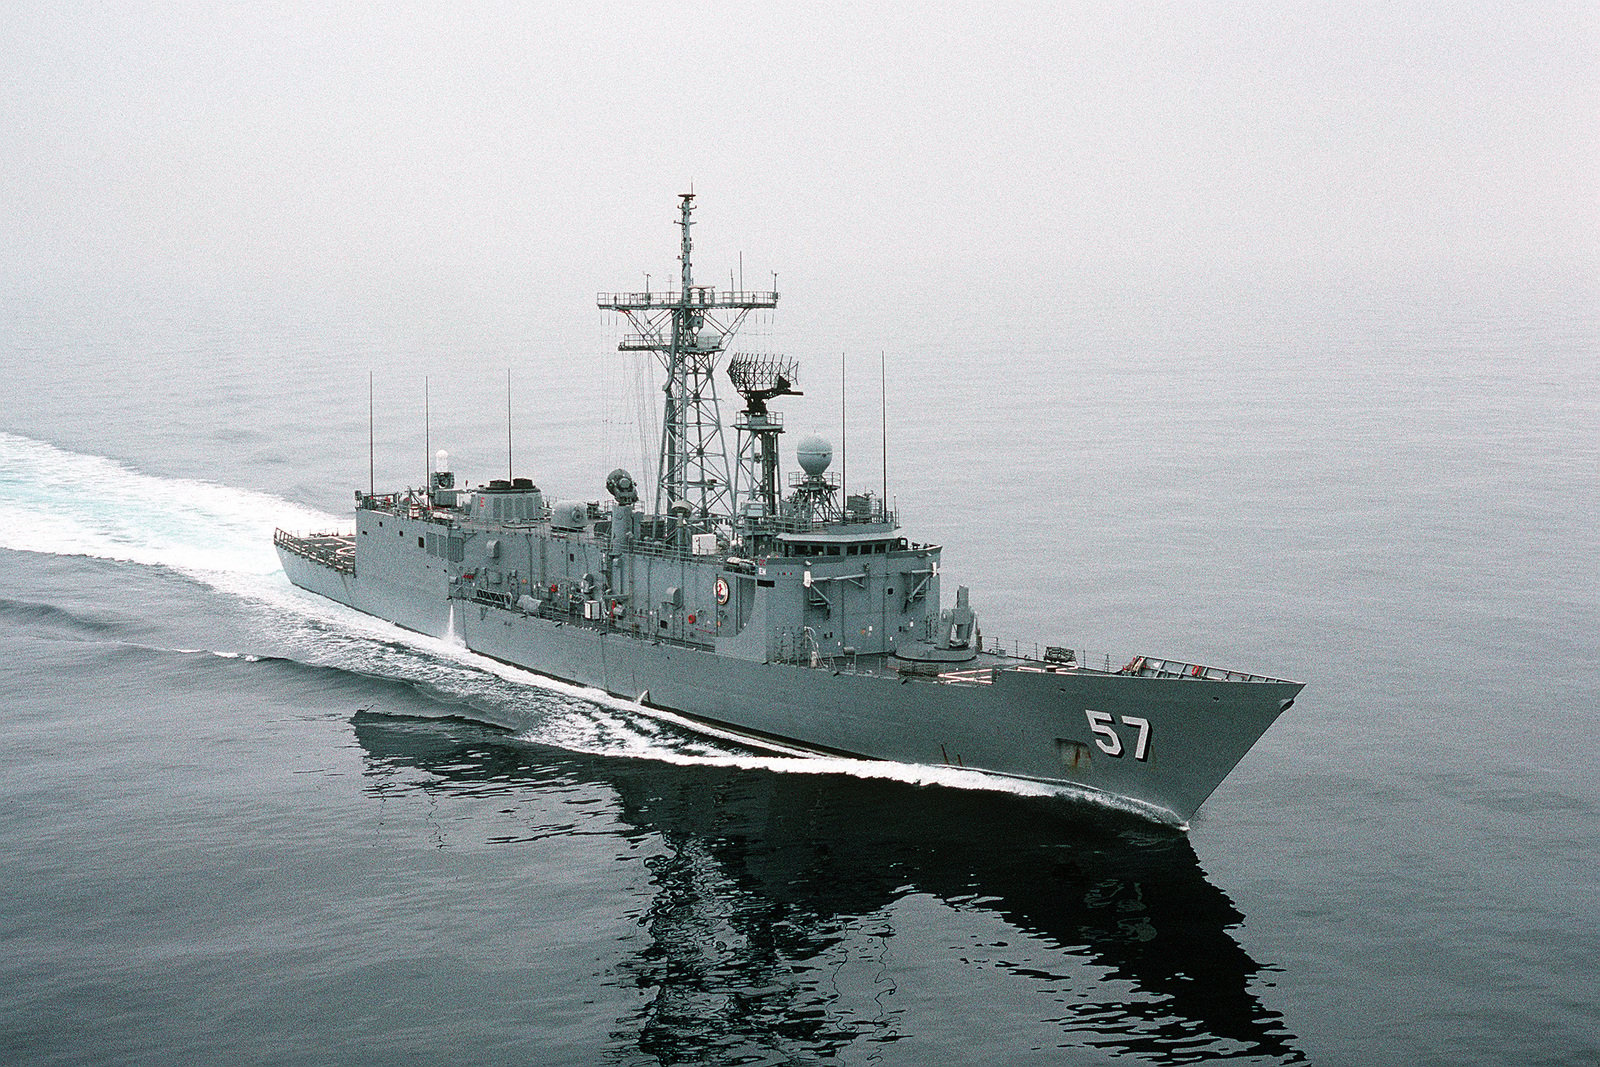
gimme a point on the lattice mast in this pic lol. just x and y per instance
(688, 330)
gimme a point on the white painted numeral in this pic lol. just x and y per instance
(1105, 737)
(1109, 741)
(1141, 747)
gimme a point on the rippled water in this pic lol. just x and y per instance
(245, 824)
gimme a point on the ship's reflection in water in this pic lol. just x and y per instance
(790, 916)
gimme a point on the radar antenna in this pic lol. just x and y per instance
(759, 378)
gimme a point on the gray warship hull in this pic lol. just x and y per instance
(1000, 714)
(804, 616)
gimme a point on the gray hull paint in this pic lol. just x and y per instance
(1028, 724)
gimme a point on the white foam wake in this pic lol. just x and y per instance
(66, 503)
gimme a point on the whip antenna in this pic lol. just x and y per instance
(883, 418)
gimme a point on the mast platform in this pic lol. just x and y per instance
(699, 297)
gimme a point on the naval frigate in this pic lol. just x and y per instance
(790, 615)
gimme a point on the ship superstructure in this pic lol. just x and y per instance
(797, 616)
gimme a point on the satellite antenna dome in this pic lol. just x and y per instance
(708, 340)
(814, 455)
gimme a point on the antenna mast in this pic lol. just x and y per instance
(759, 378)
(688, 330)
(883, 417)
(844, 453)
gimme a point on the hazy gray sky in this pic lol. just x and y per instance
(498, 148)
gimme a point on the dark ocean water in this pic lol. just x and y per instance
(241, 825)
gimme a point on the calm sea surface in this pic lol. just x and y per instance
(238, 824)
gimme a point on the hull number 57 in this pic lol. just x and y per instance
(1110, 741)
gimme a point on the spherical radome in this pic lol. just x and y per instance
(814, 454)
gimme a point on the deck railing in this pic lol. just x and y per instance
(337, 551)
(1033, 656)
